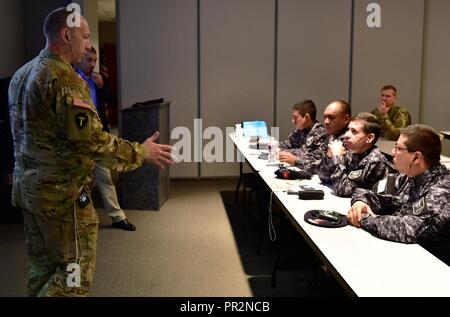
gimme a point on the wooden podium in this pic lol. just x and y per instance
(146, 188)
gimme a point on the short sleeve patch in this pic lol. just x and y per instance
(79, 124)
(420, 207)
(355, 174)
(81, 120)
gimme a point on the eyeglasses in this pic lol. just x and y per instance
(397, 148)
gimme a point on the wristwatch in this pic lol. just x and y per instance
(364, 217)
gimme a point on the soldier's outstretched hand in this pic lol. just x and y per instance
(158, 154)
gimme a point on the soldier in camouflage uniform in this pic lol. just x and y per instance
(418, 212)
(359, 164)
(58, 138)
(337, 116)
(392, 117)
(308, 135)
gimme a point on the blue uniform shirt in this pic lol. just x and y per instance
(91, 85)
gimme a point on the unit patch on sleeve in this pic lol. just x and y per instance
(355, 174)
(79, 124)
(81, 120)
(419, 207)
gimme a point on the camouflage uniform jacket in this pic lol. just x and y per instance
(418, 212)
(312, 160)
(304, 141)
(393, 121)
(58, 138)
(353, 170)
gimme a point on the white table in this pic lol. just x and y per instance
(251, 155)
(363, 264)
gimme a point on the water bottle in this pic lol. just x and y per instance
(272, 147)
(239, 131)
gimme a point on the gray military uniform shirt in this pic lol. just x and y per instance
(417, 212)
(304, 141)
(353, 170)
(312, 160)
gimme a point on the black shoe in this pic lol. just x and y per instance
(125, 225)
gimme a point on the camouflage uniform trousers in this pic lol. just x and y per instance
(51, 247)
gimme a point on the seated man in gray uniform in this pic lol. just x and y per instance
(359, 164)
(337, 116)
(308, 136)
(418, 212)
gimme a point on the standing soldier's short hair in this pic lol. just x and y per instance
(426, 140)
(304, 107)
(55, 22)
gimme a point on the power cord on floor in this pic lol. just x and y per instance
(272, 232)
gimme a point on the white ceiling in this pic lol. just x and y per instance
(106, 10)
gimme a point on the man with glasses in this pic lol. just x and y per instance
(418, 211)
(357, 163)
(308, 136)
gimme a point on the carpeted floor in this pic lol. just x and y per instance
(196, 245)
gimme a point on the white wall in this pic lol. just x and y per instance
(253, 59)
(313, 55)
(391, 54)
(236, 63)
(435, 110)
(90, 13)
(157, 48)
(11, 36)
(436, 66)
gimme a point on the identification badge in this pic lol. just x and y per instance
(83, 200)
